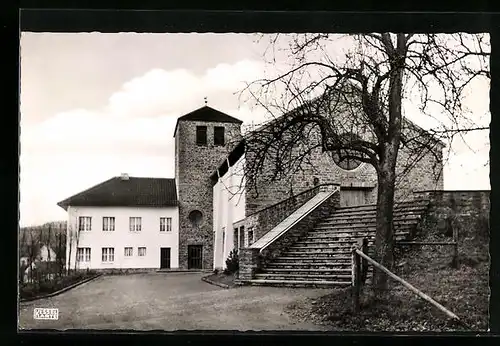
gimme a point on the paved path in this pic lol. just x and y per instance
(173, 301)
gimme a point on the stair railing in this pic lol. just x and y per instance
(358, 255)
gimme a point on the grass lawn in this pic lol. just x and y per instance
(30, 290)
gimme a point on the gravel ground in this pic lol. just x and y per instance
(173, 301)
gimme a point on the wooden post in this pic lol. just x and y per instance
(454, 262)
(355, 281)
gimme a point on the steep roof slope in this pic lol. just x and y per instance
(207, 114)
(134, 191)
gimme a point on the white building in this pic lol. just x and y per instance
(229, 211)
(124, 223)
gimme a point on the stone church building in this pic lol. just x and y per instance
(194, 220)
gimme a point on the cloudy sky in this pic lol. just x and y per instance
(96, 105)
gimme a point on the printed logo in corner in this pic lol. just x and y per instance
(46, 314)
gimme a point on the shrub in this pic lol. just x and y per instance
(232, 263)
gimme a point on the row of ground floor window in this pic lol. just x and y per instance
(139, 257)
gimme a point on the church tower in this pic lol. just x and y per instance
(203, 140)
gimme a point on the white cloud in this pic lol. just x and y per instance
(133, 133)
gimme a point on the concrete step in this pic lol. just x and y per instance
(317, 260)
(368, 230)
(307, 266)
(304, 277)
(337, 242)
(306, 271)
(300, 268)
(322, 246)
(297, 283)
(371, 224)
(324, 252)
(347, 237)
(348, 220)
(397, 212)
(397, 205)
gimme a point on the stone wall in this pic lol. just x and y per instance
(266, 219)
(194, 164)
(468, 211)
(251, 260)
(426, 173)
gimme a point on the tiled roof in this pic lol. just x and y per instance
(116, 192)
(208, 114)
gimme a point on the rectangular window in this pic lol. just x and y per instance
(235, 238)
(135, 224)
(108, 254)
(242, 236)
(165, 224)
(250, 237)
(83, 254)
(129, 251)
(201, 135)
(141, 251)
(219, 135)
(84, 223)
(108, 223)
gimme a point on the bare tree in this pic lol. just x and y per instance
(33, 250)
(60, 250)
(70, 239)
(353, 107)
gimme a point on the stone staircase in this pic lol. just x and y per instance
(323, 257)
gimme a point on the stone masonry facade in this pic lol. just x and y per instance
(425, 173)
(193, 166)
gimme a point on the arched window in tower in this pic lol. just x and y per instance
(346, 158)
(195, 217)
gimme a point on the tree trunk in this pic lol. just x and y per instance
(384, 236)
(386, 171)
(48, 242)
(69, 244)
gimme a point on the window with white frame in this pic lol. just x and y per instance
(141, 251)
(108, 223)
(108, 254)
(83, 254)
(129, 251)
(165, 224)
(84, 223)
(135, 224)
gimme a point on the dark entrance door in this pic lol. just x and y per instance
(352, 197)
(165, 258)
(195, 256)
